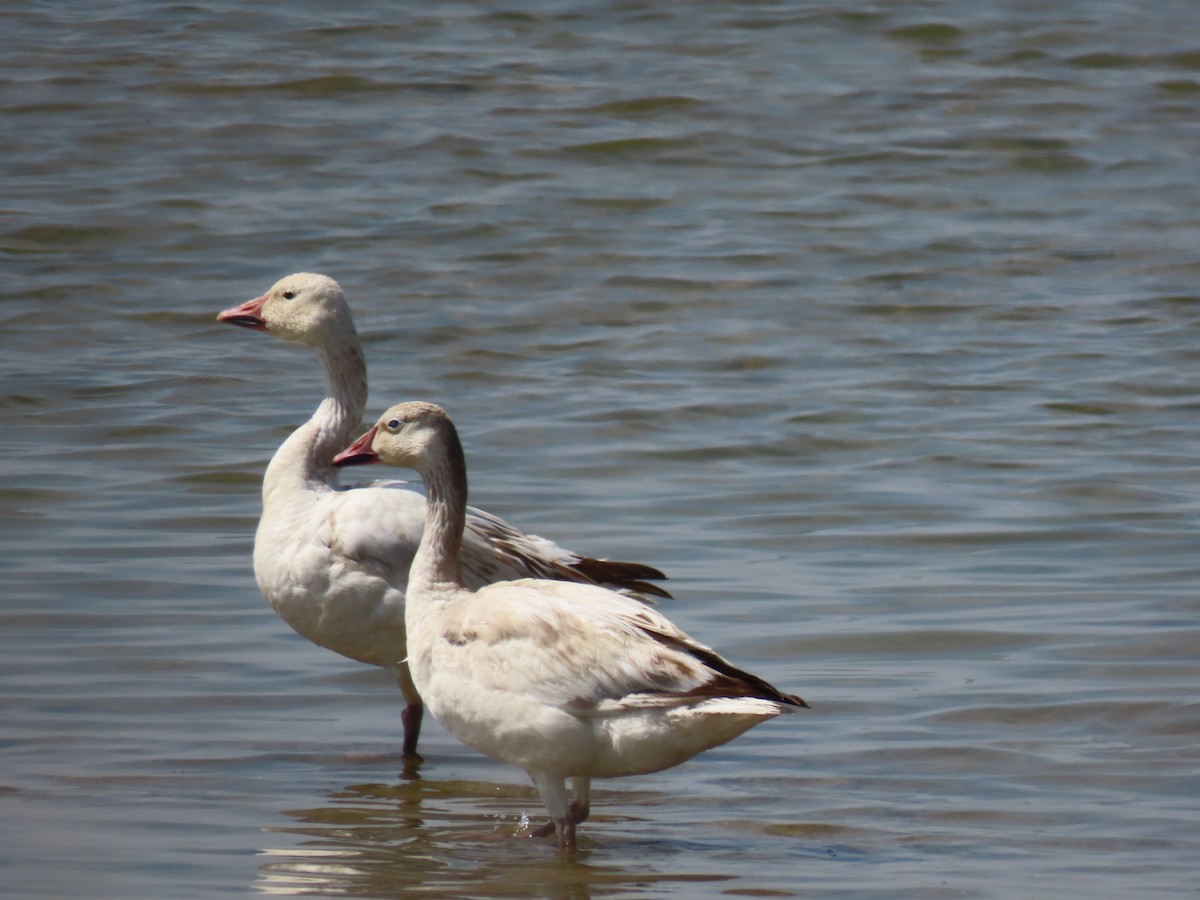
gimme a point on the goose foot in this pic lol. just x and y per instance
(565, 827)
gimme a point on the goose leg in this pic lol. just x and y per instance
(411, 719)
(553, 791)
(564, 828)
(566, 834)
(414, 711)
(581, 805)
(564, 816)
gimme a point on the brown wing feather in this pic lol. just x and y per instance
(516, 555)
(622, 575)
(730, 681)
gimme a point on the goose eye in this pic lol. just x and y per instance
(288, 295)
(393, 425)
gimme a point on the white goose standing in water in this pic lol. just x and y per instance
(564, 680)
(334, 562)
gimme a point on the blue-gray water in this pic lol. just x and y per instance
(877, 326)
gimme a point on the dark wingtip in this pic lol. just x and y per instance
(729, 680)
(622, 575)
(645, 587)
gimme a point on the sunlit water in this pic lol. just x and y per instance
(875, 326)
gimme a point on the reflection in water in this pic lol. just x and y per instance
(376, 840)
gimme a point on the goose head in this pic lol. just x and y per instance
(303, 308)
(410, 435)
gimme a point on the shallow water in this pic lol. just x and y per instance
(875, 327)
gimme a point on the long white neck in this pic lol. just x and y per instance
(436, 562)
(304, 461)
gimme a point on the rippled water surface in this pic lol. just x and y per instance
(876, 326)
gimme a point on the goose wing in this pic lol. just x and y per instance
(381, 523)
(596, 651)
(494, 550)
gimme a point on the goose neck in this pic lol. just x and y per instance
(305, 460)
(436, 562)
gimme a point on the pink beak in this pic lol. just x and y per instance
(359, 453)
(248, 315)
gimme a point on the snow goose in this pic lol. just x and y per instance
(564, 680)
(332, 561)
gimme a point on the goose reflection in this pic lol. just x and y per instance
(443, 838)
